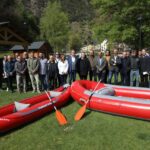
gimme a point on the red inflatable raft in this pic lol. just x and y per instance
(39, 106)
(119, 100)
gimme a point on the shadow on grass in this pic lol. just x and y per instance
(87, 113)
(143, 136)
(69, 102)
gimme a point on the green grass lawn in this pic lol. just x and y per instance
(96, 131)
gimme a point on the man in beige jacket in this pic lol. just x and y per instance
(33, 65)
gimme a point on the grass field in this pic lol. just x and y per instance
(96, 131)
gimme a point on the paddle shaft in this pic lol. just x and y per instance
(93, 91)
(50, 100)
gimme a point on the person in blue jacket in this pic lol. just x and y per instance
(10, 71)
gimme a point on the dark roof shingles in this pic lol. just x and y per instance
(32, 46)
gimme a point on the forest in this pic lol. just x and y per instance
(68, 24)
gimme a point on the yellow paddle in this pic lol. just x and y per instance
(60, 117)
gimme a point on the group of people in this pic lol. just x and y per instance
(132, 66)
(43, 73)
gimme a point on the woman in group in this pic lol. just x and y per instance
(4, 72)
(52, 72)
(107, 57)
(63, 69)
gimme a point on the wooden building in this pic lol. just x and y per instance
(36, 47)
(10, 36)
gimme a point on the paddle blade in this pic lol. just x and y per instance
(61, 118)
(80, 113)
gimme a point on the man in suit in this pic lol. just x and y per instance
(72, 60)
(115, 62)
(144, 68)
(57, 59)
(101, 64)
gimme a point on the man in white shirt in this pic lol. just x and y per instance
(115, 62)
(57, 59)
(43, 70)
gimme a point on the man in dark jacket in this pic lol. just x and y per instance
(20, 68)
(83, 66)
(72, 61)
(135, 66)
(115, 62)
(125, 69)
(10, 70)
(101, 65)
(144, 68)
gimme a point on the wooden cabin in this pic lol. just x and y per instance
(9, 36)
(35, 47)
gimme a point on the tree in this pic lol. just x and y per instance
(78, 11)
(24, 21)
(118, 21)
(54, 26)
(74, 41)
